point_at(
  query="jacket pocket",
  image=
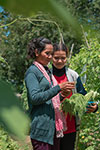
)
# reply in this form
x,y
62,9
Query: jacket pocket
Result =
x,y
40,127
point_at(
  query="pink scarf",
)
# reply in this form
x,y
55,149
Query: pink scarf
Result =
x,y
60,121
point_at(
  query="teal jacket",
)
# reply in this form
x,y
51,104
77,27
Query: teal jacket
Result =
x,y
41,110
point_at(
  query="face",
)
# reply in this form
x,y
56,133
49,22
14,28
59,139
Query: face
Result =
x,y
45,56
59,59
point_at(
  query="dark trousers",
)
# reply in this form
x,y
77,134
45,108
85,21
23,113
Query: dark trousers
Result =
x,y
38,145
68,141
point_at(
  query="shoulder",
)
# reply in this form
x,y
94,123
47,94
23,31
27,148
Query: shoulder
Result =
x,y
32,69
72,72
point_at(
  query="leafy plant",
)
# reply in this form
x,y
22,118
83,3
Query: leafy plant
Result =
x,y
11,112
8,142
78,103
88,56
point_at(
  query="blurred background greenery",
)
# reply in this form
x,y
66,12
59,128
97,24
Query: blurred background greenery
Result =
x,y
78,23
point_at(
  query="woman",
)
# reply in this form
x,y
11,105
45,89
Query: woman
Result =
x,y
47,121
63,74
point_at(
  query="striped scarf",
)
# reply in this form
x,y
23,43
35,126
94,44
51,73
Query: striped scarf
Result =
x,y
60,121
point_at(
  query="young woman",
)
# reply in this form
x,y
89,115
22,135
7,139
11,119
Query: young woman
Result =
x,y
63,74
47,122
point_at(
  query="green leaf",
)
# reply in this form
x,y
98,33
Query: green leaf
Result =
x,y
77,103
12,115
2,59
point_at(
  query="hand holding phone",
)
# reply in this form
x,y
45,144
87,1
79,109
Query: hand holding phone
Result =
x,y
91,107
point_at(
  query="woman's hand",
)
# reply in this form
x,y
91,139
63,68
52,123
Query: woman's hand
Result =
x,y
92,108
66,93
67,86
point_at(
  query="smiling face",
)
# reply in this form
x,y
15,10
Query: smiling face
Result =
x,y
45,56
59,59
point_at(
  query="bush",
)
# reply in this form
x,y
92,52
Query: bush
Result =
x,y
89,137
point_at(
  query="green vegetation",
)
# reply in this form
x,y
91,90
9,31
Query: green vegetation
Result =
x,y
78,22
89,56
8,142
78,103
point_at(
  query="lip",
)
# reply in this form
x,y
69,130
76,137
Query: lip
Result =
x,y
59,64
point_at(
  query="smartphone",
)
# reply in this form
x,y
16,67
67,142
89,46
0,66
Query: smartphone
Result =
x,y
90,103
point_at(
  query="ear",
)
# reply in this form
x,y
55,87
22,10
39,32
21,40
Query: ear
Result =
x,y
36,53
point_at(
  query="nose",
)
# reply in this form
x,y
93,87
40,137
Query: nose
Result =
x,y
50,56
59,60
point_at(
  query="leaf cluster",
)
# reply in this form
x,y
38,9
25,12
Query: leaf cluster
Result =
x,y
77,103
89,57
8,142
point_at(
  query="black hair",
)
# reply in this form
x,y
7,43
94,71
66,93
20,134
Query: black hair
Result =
x,y
59,47
37,43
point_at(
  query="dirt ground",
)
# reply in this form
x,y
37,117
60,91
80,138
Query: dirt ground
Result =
x,y
24,144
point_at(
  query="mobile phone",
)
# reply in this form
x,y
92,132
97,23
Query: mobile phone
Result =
x,y
90,103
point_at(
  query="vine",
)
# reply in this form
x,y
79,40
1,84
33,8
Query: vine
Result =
x,y
36,20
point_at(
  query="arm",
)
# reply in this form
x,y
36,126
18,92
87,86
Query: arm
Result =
x,y
36,95
80,88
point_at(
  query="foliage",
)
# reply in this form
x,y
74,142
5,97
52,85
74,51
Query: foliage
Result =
x,y
3,68
5,141
78,103
11,112
87,12
47,6
89,56
3,20
89,131
13,49
10,143
24,98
